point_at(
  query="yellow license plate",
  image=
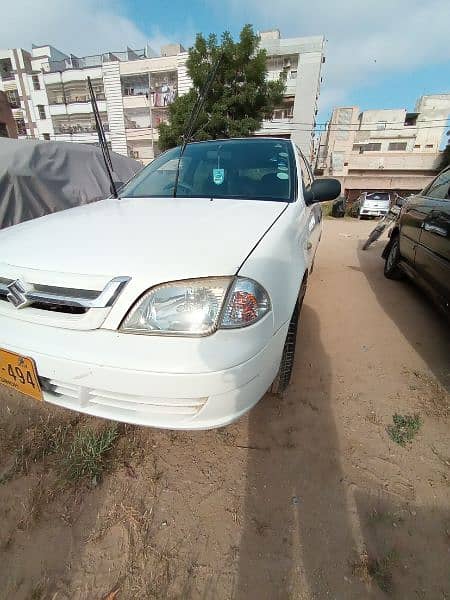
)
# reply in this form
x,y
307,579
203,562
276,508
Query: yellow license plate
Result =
x,y
19,373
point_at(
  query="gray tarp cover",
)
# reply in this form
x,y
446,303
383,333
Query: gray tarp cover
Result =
x,y
40,177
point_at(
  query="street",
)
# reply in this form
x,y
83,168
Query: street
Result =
x,y
306,497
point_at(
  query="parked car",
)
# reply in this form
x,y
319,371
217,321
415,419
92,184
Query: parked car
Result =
x,y
175,305
419,244
373,204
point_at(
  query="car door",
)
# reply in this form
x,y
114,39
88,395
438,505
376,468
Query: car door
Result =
x,y
432,259
413,215
313,212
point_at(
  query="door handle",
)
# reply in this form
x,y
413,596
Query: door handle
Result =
x,y
434,229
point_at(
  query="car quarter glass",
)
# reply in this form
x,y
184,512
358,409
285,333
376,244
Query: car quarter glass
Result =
x,y
251,169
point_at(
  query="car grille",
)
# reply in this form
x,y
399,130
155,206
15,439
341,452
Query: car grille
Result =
x,y
63,299
118,405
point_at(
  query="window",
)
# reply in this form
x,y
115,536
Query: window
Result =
x,y
440,187
46,136
247,169
307,177
372,147
21,127
397,146
429,145
13,98
416,145
41,111
293,75
381,125
36,82
411,119
3,130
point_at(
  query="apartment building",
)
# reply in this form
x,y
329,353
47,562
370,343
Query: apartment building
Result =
x,y
387,149
300,59
47,90
15,67
8,128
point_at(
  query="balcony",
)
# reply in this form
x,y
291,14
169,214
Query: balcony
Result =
x,y
142,134
75,108
77,129
75,99
393,161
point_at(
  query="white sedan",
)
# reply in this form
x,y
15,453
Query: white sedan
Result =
x,y
175,305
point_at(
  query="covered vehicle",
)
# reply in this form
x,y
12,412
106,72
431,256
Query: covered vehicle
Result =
x,y
40,177
175,305
374,204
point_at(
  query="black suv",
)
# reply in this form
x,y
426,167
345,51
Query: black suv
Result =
x,y
419,244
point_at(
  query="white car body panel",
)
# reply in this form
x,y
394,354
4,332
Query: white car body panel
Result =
x,y
87,364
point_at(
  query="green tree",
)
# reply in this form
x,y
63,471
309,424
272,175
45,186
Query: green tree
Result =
x,y
239,98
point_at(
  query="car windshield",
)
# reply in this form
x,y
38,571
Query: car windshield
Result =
x,y
255,169
379,196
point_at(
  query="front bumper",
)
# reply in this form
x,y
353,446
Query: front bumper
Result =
x,y
97,372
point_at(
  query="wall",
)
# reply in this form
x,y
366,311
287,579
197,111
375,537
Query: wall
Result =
x,y
307,89
114,105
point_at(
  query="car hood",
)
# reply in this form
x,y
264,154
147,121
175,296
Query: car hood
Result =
x,y
153,239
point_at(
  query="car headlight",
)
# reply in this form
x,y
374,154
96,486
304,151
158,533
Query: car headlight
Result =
x,y
198,306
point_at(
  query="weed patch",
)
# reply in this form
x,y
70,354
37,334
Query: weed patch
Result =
x,y
404,429
86,457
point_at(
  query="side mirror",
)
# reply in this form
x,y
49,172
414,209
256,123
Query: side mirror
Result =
x,y
322,190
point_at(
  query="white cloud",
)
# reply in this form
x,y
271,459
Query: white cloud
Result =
x,y
365,40
83,26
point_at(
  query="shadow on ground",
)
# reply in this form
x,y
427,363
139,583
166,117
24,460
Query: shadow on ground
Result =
x,y
297,539
407,547
411,311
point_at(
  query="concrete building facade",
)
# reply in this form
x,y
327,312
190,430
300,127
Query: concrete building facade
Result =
x,y
300,59
15,67
135,88
384,150
8,128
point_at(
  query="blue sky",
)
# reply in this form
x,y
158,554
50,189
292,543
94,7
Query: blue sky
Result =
x,y
380,54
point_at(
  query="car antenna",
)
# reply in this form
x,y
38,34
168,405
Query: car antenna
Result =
x,y
191,122
102,139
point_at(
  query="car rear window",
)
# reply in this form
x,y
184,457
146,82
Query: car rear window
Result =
x,y
255,169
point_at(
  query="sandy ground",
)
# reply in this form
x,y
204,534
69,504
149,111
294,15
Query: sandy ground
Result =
x,y
305,498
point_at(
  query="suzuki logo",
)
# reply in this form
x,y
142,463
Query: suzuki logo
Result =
x,y
17,294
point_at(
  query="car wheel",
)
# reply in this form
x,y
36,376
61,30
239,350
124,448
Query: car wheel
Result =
x,y
391,266
284,374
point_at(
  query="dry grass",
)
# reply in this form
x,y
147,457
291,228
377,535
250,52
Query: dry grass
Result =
x,y
376,570
87,454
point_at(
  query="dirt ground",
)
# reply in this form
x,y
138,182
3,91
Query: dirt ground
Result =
x,y
306,498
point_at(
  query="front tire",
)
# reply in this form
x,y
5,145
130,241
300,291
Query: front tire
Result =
x,y
392,268
284,374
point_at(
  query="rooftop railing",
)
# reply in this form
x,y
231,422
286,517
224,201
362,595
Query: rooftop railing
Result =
x,y
87,62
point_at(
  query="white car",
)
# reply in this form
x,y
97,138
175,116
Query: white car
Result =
x,y
374,204
175,305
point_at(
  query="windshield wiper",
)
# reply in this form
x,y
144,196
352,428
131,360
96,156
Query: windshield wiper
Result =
x,y
102,139
189,129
